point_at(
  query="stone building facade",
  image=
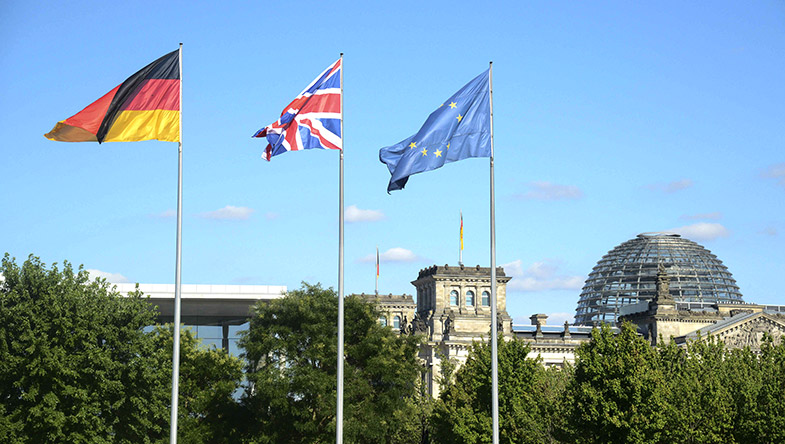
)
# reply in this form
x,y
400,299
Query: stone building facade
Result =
x,y
555,345
738,325
452,311
397,310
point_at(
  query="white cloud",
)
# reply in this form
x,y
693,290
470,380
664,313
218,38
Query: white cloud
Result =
x,y
678,185
671,187
777,172
115,278
703,216
551,191
354,214
228,212
702,231
540,276
769,231
271,215
168,214
558,318
514,268
395,254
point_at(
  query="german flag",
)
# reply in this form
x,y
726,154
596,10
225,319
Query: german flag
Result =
x,y
146,106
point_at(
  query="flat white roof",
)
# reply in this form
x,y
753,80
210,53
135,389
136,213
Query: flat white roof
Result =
x,y
206,304
200,291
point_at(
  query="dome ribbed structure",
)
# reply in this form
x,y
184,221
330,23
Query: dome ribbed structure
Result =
x,y
628,275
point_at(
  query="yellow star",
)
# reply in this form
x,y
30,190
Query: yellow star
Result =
x,y
424,152
448,145
459,117
452,105
412,145
438,153
441,105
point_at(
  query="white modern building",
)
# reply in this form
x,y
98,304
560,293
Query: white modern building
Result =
x,y
215,312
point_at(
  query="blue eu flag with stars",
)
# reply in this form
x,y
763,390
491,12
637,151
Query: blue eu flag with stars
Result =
x,y
459,128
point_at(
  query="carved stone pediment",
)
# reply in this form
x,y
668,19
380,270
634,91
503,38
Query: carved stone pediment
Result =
x,y
750,332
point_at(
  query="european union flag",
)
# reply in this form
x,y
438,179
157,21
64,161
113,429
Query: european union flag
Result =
x,y
459,128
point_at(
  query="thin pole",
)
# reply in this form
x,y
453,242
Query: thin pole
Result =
x,y
339,403
377,270
460,246
176,335
494,322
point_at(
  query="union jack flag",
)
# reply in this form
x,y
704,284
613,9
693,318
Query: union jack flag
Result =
x,y
312,120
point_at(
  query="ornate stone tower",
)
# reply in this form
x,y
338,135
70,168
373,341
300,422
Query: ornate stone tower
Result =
x,y
453,310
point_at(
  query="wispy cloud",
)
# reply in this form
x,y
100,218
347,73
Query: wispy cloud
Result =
x,y
702,231
168,214
551,191
558,318
354,214
115,278
270,215
776,172
671,187
396,254
540,276
555,319
228,212
769,231
703,216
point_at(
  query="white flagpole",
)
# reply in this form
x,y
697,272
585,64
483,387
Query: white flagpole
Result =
x,y
494,322
176,335
339,403
377,270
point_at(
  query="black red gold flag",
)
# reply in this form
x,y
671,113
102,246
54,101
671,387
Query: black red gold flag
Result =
x,y
145,106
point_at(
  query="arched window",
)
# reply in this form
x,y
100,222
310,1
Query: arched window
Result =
x,y
470,298
397,322
454,297
486,299
383,321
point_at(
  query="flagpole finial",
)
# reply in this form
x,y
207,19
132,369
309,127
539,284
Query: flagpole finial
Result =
x,y
181,43
341,54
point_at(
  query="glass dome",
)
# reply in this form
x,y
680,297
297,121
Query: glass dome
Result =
x,y
628,274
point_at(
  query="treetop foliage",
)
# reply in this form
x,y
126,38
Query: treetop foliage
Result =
x,y
291,349
80,363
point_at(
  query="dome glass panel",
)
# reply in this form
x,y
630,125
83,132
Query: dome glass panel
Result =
x,y
628,275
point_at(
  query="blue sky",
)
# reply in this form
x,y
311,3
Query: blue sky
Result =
x,y
611,119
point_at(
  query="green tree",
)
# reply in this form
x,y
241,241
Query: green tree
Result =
x,y
209,379
757,385
78,365
291,348
74,360
720,395
618,392
769,405
701,407
528,396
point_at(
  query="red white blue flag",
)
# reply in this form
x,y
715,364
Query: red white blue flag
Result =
x,y
312,120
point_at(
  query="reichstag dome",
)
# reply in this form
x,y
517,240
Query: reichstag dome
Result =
x,y
628,274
